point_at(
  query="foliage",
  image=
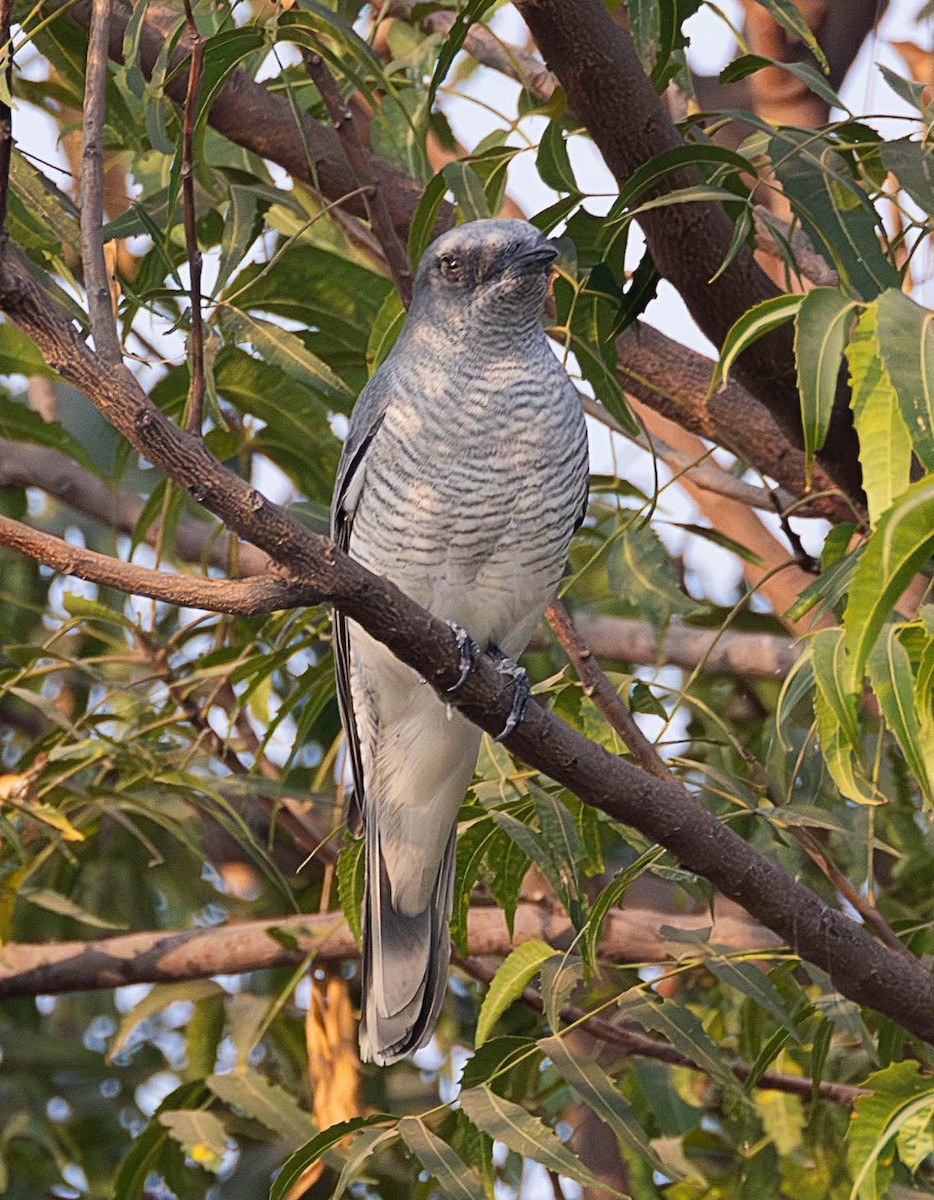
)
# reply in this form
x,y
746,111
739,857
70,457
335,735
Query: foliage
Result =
x,y
154,756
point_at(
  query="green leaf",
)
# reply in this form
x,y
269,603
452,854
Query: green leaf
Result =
x,y
508,983
200,1134
685,1032
901,543
161,996
364,1146
425,217
912,164
350,884
899,1095
893,683
283,350
468,189
786,15
21,424
297,1164
836,213
552,161
63,907
820,333
884,441
759,320
906,342
746,978
262,1101
495,1059
19,355
456,1180
835,707
510,1124
386,328
45,200
599,1093
472,11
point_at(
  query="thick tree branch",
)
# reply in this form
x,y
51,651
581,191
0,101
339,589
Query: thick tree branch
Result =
x,y
258,594
623,639
596,62
23,464
97,285
860,967
674,381
163,956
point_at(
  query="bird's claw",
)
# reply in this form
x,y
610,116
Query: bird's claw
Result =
x,y
522,694
467,651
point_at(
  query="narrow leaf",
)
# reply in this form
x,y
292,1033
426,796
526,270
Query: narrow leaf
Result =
x,y
508,983
820,333
906,341
298,1163
752,325
456,1180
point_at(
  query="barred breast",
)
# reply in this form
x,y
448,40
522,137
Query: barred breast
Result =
x,y
474,486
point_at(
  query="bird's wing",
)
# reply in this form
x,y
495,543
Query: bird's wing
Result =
x,y
367,417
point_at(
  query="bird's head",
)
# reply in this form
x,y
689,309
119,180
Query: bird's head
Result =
x,y
493,270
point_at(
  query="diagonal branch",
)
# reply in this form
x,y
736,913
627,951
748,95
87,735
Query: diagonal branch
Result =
x,y
861,968
100,305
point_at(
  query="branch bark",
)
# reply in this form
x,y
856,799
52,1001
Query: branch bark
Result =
x,y
100,305
258,594
164,956
860,967
596,62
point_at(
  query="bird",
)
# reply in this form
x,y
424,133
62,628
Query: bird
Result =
x,y
462,479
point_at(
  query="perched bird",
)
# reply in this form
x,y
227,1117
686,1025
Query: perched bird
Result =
x,y
462,479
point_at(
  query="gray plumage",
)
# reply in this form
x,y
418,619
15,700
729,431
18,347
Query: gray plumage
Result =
x,y
462,480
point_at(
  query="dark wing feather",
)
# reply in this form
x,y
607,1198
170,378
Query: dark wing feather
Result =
x,y
367,417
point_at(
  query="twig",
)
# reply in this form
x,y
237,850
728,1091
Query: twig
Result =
x,y
807,562
599,689
771,232
100,305
376,207
631,1042
196,387
6,116
257,594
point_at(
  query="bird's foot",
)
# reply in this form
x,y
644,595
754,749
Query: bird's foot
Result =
x,y
468,652
522,694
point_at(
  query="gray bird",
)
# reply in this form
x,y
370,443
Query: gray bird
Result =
x,y
462,479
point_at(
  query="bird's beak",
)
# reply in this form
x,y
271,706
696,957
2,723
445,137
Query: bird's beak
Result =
x,y
539,258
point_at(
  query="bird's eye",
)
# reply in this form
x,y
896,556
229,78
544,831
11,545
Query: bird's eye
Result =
x,y
451,267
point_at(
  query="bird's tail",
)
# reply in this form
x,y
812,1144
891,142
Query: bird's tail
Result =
x,y
405,960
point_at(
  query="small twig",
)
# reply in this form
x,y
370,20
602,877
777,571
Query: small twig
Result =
x,y
6,116
599,689
870,914
633,1043
257,594
807,562
100,305
376,207
196,387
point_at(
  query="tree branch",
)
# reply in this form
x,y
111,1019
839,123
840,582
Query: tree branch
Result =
x,y
596,62
97,285
193,417
674,381
161,956
860,967
258,594
377,209
623,639
601,692
631,1042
